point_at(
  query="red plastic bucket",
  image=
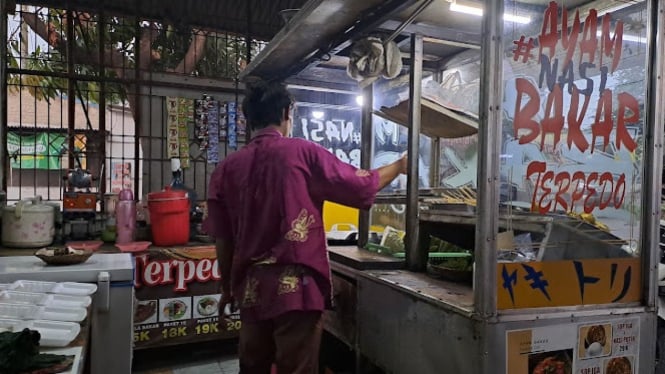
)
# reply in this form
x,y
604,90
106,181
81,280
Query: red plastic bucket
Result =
x,y
169,217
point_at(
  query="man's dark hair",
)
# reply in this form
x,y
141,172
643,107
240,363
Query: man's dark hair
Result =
x,y
264,104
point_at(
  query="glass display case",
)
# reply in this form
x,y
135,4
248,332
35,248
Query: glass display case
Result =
x,y
525,234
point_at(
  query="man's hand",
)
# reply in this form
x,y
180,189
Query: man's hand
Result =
x,y
391,171
227,300
224,249
403,163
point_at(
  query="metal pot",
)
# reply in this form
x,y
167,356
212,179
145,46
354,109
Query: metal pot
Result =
x,y
28,224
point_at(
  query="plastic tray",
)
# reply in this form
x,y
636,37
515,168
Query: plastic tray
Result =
x,y
29,312
64,288
53,333
52,300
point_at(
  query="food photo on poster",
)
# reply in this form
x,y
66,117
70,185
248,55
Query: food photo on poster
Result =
x,y
555,362
596,341
175,309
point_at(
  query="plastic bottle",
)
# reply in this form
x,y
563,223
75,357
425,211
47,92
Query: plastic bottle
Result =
x,y
109,233
126,217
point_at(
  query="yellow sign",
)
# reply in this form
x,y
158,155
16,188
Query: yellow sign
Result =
x,y
338,214
568,283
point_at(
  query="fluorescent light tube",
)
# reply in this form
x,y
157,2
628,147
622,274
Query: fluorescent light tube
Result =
x,y
475,11
516,19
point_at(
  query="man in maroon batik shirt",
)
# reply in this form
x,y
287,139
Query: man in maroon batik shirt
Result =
x,y
264,209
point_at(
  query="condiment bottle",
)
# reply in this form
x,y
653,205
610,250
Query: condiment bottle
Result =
x,y
125,217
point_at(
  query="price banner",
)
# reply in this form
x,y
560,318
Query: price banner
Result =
x,y
177,292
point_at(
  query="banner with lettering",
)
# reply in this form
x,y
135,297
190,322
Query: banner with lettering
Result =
x,y
574,108
177,292
40,151
548,284
336,130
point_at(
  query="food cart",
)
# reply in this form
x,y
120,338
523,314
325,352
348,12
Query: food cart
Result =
x,y
535,253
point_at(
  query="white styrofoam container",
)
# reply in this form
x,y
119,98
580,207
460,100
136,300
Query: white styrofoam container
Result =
x,y
63,288
52,300
10,325
19,311
76,289
33,286
53,333
62,314
32,312
22,298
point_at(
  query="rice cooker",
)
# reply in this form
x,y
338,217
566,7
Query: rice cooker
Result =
x,y
28,224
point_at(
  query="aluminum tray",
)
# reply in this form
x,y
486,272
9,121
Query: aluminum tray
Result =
x,y
63,288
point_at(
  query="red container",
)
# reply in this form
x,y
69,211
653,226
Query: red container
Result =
x,y
169,217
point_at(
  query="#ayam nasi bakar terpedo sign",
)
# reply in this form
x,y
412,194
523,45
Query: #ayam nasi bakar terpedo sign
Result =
x,y
177,292
575,109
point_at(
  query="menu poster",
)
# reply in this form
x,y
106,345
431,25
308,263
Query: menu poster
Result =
x,y
177,292
609,348
595,348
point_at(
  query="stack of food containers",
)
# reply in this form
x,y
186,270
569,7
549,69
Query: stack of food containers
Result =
x,y
53,309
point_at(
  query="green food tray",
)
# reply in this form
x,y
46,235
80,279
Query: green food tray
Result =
x,y
378,248
438,254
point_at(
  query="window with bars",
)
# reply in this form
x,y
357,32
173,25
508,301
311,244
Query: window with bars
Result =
x,y
93,87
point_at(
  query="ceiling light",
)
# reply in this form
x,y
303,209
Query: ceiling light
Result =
x,y
516,19
477,11
474,11
317,114
360,100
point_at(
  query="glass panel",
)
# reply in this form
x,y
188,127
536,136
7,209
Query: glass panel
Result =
x,y
459,162
333,122
571,154
390,142
387,225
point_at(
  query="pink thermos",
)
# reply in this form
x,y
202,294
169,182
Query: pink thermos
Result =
x,y
125,213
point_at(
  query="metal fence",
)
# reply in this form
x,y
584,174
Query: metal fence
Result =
x,y
94,86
